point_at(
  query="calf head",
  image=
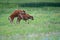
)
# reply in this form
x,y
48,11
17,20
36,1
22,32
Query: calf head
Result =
x,y
31,17
23,12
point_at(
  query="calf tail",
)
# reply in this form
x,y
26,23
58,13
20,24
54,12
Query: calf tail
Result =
x,y
8,18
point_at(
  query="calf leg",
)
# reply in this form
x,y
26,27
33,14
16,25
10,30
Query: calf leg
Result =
x,y
27,21
18,20
11,20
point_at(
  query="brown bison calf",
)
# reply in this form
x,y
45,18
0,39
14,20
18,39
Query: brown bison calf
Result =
x,y
15,14
24,17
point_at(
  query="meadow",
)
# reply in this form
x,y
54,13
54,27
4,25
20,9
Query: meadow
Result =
x,y
45,26
28,1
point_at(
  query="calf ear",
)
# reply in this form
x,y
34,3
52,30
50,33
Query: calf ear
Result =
x,y
23,11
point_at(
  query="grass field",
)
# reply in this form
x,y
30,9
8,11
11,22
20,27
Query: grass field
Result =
x,y
28,1
45,26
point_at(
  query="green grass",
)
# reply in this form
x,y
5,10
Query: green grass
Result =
x,y
46,20
28,1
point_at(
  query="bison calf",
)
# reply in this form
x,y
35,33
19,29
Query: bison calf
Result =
x,y
15,14
24,17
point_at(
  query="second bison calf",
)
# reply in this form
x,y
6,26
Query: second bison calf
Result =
x,y
24,17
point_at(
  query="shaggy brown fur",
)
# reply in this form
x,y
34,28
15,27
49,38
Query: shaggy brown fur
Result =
x,y
25,17
15,14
